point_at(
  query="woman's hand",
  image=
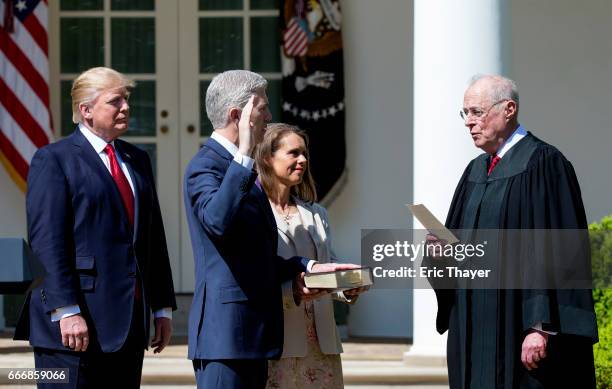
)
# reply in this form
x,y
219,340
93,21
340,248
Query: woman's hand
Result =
x,y
303,293
352,293
329,267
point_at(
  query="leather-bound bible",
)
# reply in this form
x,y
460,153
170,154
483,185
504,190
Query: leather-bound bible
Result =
x,y
340,279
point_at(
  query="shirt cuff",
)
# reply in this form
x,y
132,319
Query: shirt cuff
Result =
x,y
245,161
64,312
310,265
164,312
538,327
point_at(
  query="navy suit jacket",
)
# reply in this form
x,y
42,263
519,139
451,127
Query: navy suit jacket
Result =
x,y
79,230
237,304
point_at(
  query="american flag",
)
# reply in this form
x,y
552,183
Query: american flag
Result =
x,y
296,39
25,119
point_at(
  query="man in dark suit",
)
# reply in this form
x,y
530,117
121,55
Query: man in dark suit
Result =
x,y
236,319
95,224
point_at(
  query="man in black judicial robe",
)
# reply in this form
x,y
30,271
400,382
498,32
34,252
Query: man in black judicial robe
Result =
x,y
515,338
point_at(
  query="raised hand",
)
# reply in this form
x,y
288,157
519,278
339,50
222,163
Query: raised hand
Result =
x,y
245,128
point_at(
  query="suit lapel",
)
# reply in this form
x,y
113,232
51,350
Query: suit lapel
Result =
x,y
264,204
315,230
218,148
256,191
87,153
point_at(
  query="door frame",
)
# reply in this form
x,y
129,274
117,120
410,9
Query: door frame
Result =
x,y
166,86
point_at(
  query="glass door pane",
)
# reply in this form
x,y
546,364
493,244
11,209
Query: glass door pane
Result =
x,y
227,34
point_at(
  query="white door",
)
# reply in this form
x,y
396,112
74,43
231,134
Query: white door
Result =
x,y
172,49
139,39
218,35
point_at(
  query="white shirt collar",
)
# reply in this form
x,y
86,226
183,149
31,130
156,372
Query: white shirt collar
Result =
x,y
223,141
98,143
517,135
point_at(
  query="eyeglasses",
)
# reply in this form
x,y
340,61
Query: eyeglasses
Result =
x,y
478,113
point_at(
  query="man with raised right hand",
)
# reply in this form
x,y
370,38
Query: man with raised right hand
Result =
x,y
236,318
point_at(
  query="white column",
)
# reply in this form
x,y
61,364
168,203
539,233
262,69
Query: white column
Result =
x,y
453,40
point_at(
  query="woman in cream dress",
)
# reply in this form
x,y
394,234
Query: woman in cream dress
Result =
x,y
311,350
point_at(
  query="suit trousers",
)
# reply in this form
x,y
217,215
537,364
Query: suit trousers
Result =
x,y
96,369
231,373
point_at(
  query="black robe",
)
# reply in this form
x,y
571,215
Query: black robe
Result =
x,y
532,187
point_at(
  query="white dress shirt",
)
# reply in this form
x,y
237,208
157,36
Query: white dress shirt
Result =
x,y
517,135
244,160
99,144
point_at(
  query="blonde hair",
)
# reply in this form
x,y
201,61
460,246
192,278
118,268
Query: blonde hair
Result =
x,y
91,83
271,142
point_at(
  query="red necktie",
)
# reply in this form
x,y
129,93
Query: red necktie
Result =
x,y
126,195
494,162
122,183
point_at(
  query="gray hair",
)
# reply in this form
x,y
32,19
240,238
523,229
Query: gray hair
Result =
x,y
499,87
229,89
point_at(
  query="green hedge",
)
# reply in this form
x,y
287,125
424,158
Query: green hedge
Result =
x,y
601,257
